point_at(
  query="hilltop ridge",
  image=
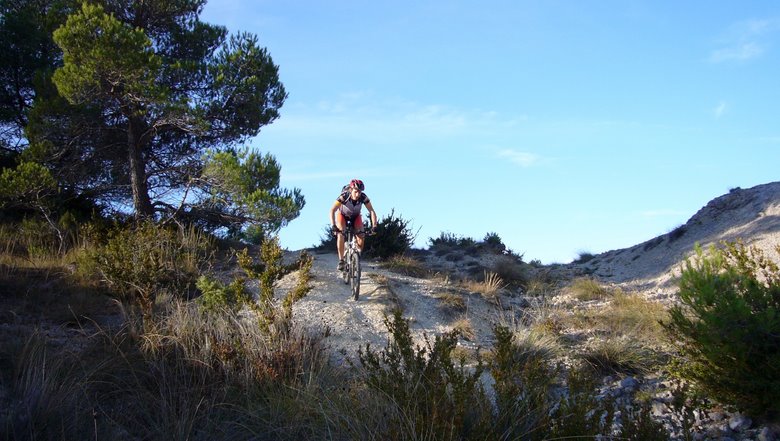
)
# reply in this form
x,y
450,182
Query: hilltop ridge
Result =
x,y
751,215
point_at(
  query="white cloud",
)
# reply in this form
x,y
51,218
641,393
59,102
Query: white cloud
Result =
x,y
523,159
743,52
745,40
365,118
720,109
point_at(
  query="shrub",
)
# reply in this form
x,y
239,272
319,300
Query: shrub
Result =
x,y
429,397
393,236
303,286
493,242
728,327
584,257
448,240
147,260
677,233
523,383
445,240
217,296
511,270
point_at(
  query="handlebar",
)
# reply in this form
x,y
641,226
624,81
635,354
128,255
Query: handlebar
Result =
x,y
368,231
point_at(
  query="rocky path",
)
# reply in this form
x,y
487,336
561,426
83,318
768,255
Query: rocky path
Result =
x,y
351,324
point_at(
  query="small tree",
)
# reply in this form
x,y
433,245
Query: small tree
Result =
x,y
728,327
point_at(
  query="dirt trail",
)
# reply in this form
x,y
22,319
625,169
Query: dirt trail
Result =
x,y
353,324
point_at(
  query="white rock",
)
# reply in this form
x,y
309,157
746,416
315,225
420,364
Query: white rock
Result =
x,y
739,422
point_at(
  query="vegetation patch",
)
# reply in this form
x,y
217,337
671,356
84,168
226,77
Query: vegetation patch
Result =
x,y
586,289
728,327
406,265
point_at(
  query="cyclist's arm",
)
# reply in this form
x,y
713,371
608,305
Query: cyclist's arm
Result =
x,y
372,213
333,210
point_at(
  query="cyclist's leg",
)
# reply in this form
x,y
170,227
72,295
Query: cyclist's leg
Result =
x,y
359,231
341,223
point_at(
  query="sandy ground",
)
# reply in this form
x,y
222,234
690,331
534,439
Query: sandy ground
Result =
x,y
354,324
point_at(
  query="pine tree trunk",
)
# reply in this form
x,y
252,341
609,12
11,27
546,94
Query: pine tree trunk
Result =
x,y
142,205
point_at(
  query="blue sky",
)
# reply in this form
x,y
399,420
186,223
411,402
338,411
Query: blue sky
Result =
x,y
562,126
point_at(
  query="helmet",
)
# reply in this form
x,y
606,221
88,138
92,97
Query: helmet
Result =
x,y
357,183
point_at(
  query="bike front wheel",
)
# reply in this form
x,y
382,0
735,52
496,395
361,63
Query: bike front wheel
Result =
x,y
354,280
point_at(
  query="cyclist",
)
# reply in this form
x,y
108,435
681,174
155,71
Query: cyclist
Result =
x,y
348,206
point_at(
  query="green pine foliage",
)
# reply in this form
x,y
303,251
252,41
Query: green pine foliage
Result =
x,y
728,327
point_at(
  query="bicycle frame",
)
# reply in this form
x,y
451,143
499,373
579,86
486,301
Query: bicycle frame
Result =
x,y
352,270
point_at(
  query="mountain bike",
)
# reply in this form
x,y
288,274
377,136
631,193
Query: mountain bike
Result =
x,y
351,272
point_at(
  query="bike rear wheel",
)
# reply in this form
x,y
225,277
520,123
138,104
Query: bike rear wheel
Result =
x,y
354,280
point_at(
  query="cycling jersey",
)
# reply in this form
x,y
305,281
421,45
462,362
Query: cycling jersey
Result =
x,y
349,208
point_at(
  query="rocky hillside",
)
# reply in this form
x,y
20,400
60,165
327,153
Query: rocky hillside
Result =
x,y
751,215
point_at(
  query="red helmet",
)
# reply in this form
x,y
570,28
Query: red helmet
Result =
x,y
357,183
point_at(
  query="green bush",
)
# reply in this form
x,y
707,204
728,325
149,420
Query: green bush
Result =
x,y
445,240
216,296
448,240
393,236
524,378
148,260
511,270
728,327
428,395
494,243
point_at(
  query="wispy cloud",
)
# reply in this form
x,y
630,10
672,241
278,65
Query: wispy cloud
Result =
x,y
769,139
720,109
364,117
745,40
523,159
740,52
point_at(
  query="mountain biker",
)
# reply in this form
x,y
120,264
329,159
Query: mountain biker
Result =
x,y
348,206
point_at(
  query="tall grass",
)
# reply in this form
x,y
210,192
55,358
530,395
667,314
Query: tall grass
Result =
x,y
46,393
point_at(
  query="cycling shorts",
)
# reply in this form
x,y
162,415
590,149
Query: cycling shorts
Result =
x,y
357,221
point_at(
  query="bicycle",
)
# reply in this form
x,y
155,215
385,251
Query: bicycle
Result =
x,y
351,272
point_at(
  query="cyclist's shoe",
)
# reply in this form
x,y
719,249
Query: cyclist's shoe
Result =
x,y
341,265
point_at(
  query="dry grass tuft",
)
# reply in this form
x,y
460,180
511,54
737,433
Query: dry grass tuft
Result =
x,y
621,355
586,289
464,327
452,301
407,266
539,287
489,287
